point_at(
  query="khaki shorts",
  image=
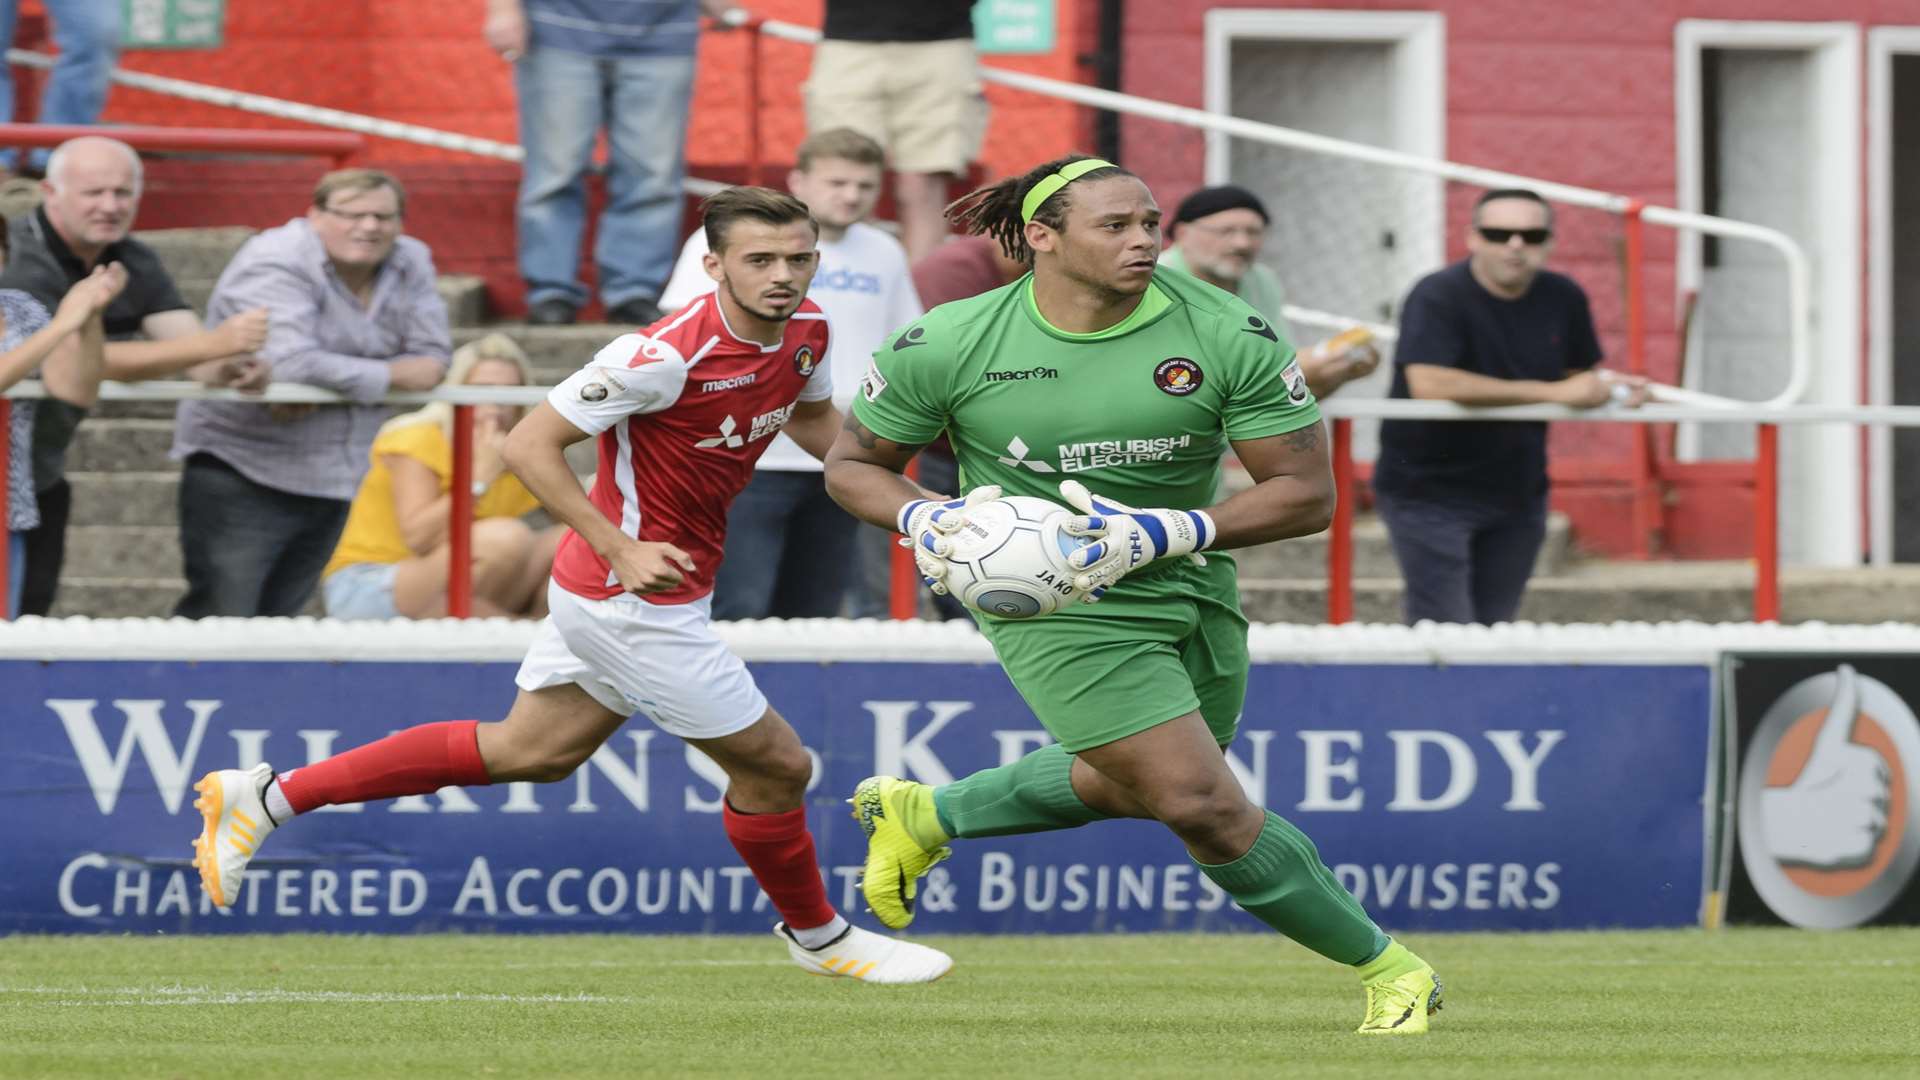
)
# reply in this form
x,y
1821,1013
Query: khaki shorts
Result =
x,y
922,100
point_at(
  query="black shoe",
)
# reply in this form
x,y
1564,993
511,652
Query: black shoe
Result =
x,y
550,313
636,312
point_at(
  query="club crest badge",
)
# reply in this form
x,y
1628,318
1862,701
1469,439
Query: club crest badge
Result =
x,y
1178,376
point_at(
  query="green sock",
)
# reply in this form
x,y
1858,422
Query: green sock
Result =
x,y
1282,882
1394,961
1034,794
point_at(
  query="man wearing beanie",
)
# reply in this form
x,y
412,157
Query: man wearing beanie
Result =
x,y
1217,232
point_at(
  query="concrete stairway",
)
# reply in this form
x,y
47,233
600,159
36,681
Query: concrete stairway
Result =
x,y
123,556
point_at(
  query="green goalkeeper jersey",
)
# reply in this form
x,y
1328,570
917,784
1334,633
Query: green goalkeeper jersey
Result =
x,y
1140,412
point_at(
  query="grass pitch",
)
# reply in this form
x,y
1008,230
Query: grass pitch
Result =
x,y
1741,1003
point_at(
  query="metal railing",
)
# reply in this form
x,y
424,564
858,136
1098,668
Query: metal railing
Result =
x,y
1341,414
1633,213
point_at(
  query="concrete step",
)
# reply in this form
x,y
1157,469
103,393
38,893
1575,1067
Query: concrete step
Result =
x,y
1602,591
126,498
118,598
554,352
1373,552
195,254
132,598
121,445
122,552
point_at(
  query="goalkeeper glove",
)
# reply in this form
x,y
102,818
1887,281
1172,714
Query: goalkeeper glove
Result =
x,y
1126,537
928,526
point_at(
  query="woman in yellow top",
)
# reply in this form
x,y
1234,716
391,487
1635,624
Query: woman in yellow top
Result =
x,y
393,554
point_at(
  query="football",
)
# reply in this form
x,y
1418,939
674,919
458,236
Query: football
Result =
x,y
1010,559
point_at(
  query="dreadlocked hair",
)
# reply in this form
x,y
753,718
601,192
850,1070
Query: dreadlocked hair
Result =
x,y
994,211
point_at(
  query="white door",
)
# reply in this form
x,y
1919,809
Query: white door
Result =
x,y
1347,238
1768,119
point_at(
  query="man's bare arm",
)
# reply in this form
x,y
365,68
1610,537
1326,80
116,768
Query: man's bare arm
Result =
x,y
178,343
1292,495
814,425
864,474
536,453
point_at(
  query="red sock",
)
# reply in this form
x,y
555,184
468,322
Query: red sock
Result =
x,y
779,850
416,761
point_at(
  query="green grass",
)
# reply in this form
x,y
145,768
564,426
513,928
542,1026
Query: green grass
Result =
x,y
1741,1003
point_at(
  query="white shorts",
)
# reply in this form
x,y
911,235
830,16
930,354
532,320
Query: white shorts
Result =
x,y
663,660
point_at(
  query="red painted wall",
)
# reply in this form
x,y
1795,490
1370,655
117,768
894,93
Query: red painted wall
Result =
x,y
423,62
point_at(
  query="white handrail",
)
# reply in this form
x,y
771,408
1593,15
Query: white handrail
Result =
x,y
1339,407
1799,280
282,109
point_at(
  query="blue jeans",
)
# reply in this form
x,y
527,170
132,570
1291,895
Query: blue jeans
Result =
x,y
16,571
565,99
87,33
790,550
1462,563
250,549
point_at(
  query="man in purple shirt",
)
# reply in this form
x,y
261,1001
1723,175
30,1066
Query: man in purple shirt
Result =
x,y
265,489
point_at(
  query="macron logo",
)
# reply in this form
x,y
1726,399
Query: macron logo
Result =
x,y
734,383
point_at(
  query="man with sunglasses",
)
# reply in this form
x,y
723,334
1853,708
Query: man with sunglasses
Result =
x,y
1465,502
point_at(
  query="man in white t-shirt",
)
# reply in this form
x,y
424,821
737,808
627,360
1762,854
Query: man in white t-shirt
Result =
x,y
790,549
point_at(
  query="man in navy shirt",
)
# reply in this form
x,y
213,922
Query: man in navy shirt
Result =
x,y
1465,502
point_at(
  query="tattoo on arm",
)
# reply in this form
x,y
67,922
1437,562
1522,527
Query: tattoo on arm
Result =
x,y
865,436
1305,440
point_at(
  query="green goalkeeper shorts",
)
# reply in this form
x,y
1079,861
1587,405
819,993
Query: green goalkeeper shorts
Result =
x,y
1163,642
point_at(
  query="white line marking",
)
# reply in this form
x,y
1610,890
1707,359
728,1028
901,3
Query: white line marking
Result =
x,y
201,995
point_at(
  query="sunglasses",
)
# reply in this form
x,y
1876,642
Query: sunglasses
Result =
x,y
1529,237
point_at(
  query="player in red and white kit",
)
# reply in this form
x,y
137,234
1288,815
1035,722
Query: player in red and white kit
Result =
x,y
681,412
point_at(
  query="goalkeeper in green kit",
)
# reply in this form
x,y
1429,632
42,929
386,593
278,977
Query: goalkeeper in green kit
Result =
x,y
1116,384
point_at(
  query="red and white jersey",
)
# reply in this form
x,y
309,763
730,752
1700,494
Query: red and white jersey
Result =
x,y
683,410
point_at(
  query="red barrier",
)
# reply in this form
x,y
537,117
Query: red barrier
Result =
x,y
903,593
1766,525
1645,485
338,145
6,507
460,517
1340,534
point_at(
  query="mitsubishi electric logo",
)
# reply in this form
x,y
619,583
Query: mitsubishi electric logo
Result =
x,y
763,425
726,437
1098,453
1019,449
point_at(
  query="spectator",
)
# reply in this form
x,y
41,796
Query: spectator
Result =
x,y
580,66
91,196
1465,502
790,548
1217,233
86,34
68,350
393,556
264,491
908,76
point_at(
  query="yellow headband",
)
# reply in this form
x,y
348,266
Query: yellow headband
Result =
x,y
1046,188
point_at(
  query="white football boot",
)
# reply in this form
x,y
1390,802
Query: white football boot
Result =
x,y
233,822
869,957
